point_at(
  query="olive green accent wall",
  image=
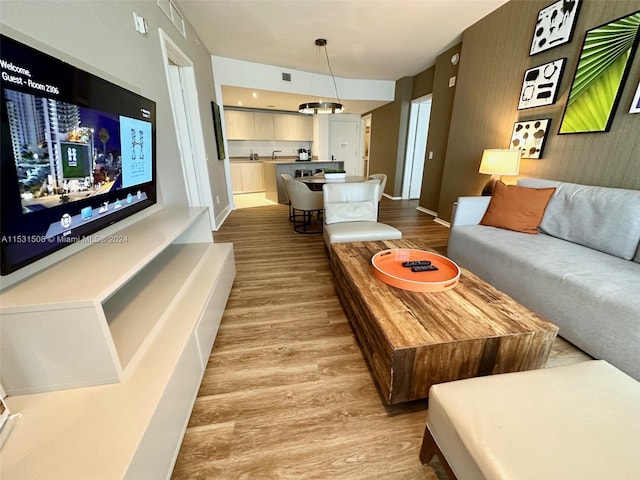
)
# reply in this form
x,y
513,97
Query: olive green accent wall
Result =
x,y
494,57
441,109
389,125
423,83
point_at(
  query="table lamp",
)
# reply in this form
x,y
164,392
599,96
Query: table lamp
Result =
x,y
496,162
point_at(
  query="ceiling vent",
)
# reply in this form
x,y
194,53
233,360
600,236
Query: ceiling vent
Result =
x,y
286,77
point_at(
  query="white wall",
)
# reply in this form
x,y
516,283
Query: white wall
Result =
x,y
239,73
99,36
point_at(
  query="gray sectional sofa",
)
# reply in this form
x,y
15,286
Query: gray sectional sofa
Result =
x,y
582,272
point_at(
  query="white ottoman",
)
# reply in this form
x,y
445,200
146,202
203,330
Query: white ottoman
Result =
x,y
577,422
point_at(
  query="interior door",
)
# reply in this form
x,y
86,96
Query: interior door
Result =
x,y
344,139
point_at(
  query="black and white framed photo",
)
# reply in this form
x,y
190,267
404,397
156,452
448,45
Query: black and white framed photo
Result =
x,y
540,84
555,25
529,137
635,104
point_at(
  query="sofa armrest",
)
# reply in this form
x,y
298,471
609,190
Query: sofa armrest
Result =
x,y
470,210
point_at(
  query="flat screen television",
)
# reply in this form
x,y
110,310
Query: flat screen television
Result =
x,y
78,154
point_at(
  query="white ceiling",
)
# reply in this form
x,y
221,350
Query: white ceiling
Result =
x,y
366,39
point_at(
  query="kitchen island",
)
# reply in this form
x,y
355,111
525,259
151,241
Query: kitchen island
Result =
x,y
273,184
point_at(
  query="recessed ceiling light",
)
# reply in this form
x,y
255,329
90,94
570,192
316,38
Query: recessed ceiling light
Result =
x,y
239,103
254,94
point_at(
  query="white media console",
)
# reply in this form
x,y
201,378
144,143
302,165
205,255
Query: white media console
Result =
x,y
103,353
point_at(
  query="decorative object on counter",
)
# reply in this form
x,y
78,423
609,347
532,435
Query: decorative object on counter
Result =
x,y
320,107
334,174
217,125
604,64
540,84
496,162
529,137
303,155
555,25
635,104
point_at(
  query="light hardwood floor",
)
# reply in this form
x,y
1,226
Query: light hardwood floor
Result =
x,y
287,393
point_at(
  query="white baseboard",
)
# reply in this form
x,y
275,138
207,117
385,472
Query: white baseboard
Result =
x,y
442,222
427,211
435,215
390,197
222,217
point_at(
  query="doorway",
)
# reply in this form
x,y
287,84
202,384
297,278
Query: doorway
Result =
x,y
365,126
419,116
186,118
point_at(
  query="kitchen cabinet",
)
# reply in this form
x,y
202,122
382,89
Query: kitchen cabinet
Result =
x,y
239,125
263,126
236,177
293,127
248,125
247,177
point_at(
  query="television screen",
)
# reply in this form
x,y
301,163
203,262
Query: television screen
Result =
x,y
78,154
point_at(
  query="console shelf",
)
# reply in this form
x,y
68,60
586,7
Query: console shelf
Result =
x,y
133,323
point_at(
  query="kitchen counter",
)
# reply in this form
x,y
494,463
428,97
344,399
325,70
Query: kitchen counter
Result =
x,y
287,161
273,169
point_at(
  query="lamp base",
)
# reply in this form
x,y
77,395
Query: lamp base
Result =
x,y
487,191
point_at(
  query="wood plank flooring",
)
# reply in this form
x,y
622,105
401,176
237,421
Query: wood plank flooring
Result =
x,y
287,393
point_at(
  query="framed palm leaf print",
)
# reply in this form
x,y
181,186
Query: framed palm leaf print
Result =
x,y
604,63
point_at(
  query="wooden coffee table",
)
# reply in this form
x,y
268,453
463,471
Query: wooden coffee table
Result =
x,y
415,339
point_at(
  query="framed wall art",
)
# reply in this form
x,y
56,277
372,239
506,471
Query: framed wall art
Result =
x,y
540,84
635,103
217,125
555,25
529,137
604,63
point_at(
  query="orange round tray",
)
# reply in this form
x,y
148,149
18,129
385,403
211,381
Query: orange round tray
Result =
x,y
387,266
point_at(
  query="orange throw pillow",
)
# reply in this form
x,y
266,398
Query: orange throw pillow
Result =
x,y
517,208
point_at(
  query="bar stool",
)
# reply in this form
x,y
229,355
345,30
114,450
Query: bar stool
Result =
x,y
304,172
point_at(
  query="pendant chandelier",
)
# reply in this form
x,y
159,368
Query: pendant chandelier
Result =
x,y
323,107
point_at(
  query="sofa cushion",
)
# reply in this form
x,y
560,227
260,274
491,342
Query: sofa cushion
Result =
x,y
602,218
590,295
517,208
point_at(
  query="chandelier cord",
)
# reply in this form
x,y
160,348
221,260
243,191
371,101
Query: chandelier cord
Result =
x,y
331,72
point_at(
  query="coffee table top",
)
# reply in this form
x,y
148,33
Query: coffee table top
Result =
x,y
472,309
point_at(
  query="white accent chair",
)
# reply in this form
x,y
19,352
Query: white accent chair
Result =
x,y
304,203
382,180
351,214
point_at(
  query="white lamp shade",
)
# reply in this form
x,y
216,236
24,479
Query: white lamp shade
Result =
x,y
500,162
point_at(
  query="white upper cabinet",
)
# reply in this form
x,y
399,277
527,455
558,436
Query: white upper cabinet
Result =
x,y
294,127
239,125
249,125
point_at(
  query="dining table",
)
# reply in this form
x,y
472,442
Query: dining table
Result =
x,y
316,182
